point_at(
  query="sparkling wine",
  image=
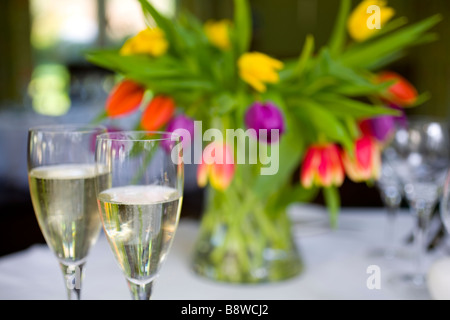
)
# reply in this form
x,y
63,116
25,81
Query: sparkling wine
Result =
x,y
64,200
140,222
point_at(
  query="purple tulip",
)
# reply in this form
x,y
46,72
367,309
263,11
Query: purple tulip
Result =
x,y
179,122
265,116
382,127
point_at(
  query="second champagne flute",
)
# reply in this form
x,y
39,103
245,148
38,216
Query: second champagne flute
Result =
x,y
141,209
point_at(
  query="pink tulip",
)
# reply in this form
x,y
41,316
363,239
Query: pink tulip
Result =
x,y
365,162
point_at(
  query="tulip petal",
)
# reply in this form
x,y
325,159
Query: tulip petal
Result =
x,y
202,175
357,22
402,92
125,98
257,68
322,166
365,163
307,173
158,112
267,117
221,176
218,165
150,41
218,33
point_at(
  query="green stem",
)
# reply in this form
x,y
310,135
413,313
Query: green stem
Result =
x,y
148,158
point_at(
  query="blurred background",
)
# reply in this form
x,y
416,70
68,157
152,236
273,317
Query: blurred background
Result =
x,y
44,77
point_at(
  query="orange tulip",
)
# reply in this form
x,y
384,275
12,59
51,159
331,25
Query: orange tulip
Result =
x,y
125,98
158,112
217,165
402,92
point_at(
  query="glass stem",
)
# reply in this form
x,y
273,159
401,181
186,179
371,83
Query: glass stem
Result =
x,y
73,275
392,212
423,216
140,291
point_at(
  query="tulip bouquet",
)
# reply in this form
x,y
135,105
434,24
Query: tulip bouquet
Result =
x,y
324,114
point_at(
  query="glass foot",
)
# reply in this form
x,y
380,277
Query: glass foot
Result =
x,y
412,286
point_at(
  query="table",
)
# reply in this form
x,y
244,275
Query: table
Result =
x,y
336,265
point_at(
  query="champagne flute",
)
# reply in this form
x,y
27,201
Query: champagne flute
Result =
x,y
61,173
141,208
420,156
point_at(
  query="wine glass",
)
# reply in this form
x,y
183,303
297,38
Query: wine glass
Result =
x,y
141,208
61,173
420,155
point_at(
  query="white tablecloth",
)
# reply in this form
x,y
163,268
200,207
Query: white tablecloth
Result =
x,y
335,261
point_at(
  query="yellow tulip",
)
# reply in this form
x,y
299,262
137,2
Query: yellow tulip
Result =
x,y
218,33
358,22
257,69
150,41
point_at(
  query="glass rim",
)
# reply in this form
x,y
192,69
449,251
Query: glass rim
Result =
x,y
67,128
107,136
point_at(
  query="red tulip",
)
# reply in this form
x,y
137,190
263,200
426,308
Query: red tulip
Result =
x,y
401,93
217,165
365,162
322,167
158,112
125,98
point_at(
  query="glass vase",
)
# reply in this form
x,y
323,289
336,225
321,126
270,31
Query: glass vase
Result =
x,y
241,241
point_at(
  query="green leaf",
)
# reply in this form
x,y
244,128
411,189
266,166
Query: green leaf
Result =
x,y
242,26
163,74
368,53
333,203
421,99
360,90
169,85
389,27
100,118
142,65
387,60
297,193
290,153
344,107
167,25
337,40
307,52
324,121
280,200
